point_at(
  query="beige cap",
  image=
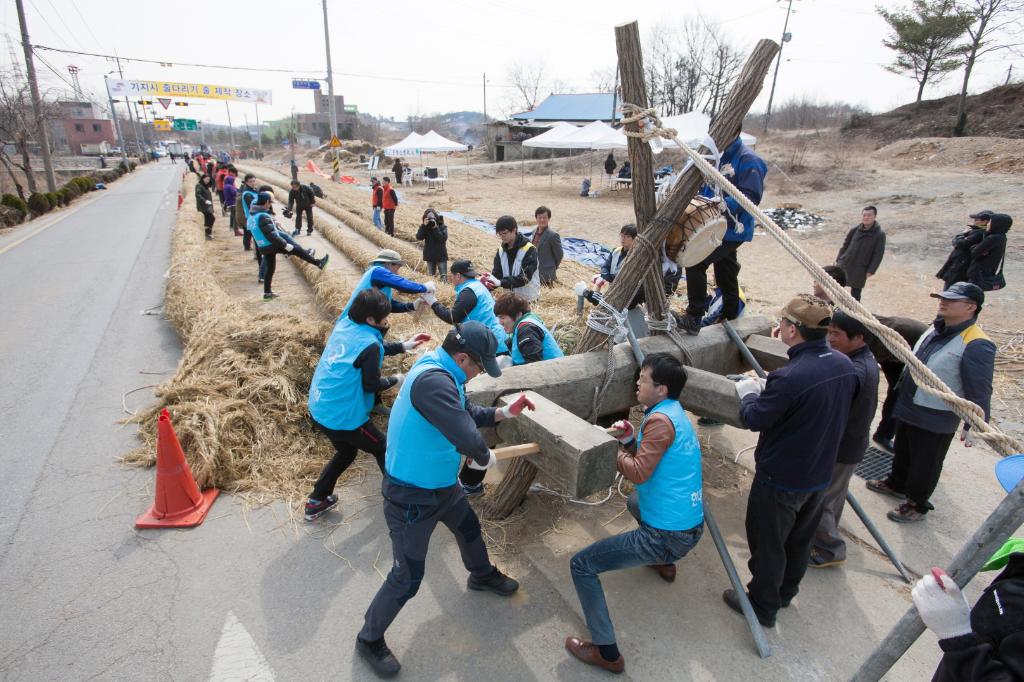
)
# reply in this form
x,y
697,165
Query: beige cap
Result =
x,y
808,311
388,256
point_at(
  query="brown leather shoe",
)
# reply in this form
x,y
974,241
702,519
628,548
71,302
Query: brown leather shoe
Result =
x,y
666,571
591,655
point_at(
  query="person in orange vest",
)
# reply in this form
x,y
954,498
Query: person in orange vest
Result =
x,y
389,201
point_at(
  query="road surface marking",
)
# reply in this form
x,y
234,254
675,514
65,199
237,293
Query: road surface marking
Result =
x,y
237,657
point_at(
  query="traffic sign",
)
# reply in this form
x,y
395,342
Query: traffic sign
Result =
x,y
165,101
335,142
185,124
298,84
161,125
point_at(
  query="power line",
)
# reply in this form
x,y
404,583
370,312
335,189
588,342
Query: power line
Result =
x,y
86,24
46,21
64,23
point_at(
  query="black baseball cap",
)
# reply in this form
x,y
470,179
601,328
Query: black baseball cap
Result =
x,y
962,291
986,214
464,268
264,199
479,341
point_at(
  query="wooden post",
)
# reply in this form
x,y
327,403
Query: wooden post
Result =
x,y
724,130
634,91
990,536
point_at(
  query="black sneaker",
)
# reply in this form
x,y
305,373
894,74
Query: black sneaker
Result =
x,y
473,490
732,600
322,263
317,508
688,323
496,582
270,296
296,233
379,656
309,233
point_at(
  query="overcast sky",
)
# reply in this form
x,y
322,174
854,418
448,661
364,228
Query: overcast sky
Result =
x,y
406,57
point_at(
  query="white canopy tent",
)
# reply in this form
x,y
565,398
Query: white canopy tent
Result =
x,y
550,138
434,142
410,146
415,144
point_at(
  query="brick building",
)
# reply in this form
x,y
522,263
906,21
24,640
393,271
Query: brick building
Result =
x,y
80,123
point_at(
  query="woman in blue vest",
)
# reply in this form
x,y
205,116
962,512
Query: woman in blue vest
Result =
x,y
529,340
383,275
345,384
472,302
432,427
271,241
668,505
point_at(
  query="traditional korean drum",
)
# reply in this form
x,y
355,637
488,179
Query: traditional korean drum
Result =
x,y
697,232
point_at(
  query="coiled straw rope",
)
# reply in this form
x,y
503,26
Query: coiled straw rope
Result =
x,y
926,379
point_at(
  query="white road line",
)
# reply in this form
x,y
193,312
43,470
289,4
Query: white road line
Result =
x,y
237,658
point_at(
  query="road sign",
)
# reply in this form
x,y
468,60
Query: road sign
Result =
x,y
165,101
335,142
161,125
298,84
185,124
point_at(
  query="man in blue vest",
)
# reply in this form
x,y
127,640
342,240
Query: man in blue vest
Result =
x,y
612,265
432,427
472,301
748,171
270,241
963,357
528,339
664,465
383,274
345,384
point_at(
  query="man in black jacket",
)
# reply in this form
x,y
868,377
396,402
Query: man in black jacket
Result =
x,y
301,197
434,235
986,268
801,414
862,251
846,335
955,268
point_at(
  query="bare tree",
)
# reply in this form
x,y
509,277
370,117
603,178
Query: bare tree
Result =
x,y
603,80
526,79
18,124
721,68
995,24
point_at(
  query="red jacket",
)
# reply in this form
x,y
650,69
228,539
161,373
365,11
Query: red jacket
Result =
x,y
220,178
390,198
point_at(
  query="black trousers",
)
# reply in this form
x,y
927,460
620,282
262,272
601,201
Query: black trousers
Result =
x,y
208,219
309,219
918,463
367,438
412,514
727,277
471,476
268,262
389,221
780,531
856,292
887,425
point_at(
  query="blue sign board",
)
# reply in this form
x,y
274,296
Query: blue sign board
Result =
x,y
305,85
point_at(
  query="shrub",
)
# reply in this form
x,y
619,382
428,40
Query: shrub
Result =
x,y
15,202
84,184
54,199
72,189
38,204
65,195
132,165
108,177
122,168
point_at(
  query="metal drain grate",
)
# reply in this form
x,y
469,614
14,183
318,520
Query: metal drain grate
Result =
x,y
876,464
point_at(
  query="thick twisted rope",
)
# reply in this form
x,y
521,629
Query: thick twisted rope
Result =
x,y
925,378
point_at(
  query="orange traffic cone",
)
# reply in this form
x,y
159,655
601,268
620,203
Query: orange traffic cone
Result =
x,y
178,503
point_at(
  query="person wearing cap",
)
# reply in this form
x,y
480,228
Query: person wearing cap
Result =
x,y
515,263
664,464
955,268
345,387
472,302
434,235
432,427
529,340
963,357
383,274
986,267
800,412
862,251
848,336
984,643
271,240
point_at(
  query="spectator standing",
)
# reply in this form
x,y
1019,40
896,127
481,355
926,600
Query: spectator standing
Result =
x,y
986,268
376,201
301,197
204,203
955,268
610,165
389,202
294,167
397,169
219,183
434,235
549,247
230,199
862,251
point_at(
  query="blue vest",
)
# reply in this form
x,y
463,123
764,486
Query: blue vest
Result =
x,y
336,396
551,348
483,311
672,499
253,225
365,282
418,454
247,204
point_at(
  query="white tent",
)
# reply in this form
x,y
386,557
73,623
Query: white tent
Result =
x,y
549,139
434,142
410,146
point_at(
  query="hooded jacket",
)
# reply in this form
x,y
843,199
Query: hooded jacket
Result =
x,y
230,191
987,256
955,267
748,171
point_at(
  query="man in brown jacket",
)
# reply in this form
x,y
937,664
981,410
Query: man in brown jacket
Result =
x,y
862,251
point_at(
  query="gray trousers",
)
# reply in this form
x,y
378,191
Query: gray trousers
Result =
x,y
827,540
412,514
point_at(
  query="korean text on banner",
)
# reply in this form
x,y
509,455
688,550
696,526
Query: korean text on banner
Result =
x,y
131,88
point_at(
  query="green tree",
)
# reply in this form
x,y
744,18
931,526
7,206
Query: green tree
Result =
x,y
926,39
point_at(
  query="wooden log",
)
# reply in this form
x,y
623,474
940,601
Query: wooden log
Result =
x,y
634,90
723,131
771,353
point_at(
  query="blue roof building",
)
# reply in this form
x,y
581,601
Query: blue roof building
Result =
x,y
573,108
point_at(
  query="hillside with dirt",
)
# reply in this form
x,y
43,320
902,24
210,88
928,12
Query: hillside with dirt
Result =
x,y
996,113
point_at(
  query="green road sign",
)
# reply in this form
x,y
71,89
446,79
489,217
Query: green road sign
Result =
x,y
185,124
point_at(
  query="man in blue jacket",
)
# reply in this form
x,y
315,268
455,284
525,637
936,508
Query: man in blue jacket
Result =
x,y
270,241
473,301
668,505
345,384
432,427
383,274
748,171
801,414
963,356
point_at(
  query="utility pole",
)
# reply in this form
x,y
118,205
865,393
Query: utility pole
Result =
x,y
128,106
778,60
117,124
231,130
330,92
615,94
485,98
259,132
37,105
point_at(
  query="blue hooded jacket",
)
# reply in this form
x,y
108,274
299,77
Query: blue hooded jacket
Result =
x,y
748,176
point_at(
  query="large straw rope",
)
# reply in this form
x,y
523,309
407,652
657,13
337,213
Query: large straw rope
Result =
x,y
925,378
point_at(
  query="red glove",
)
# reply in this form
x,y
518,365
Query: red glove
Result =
x,y
514,409
626,427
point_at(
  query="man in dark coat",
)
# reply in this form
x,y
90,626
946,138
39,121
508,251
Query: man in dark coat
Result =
x,y
862,251
301,197
434,235
549,247
986,266
955,268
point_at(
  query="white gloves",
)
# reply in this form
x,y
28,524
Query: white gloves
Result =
x,y
749,385
431,286
490,281
289,247
579,288
967,437
942,608
624,425
429,298
491,461
504,361
399,380
209,203
598,281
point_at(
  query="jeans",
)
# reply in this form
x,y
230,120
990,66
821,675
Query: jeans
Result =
x,y
727,273
780,529
376,218
346,444
918,463
827,540
645,546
